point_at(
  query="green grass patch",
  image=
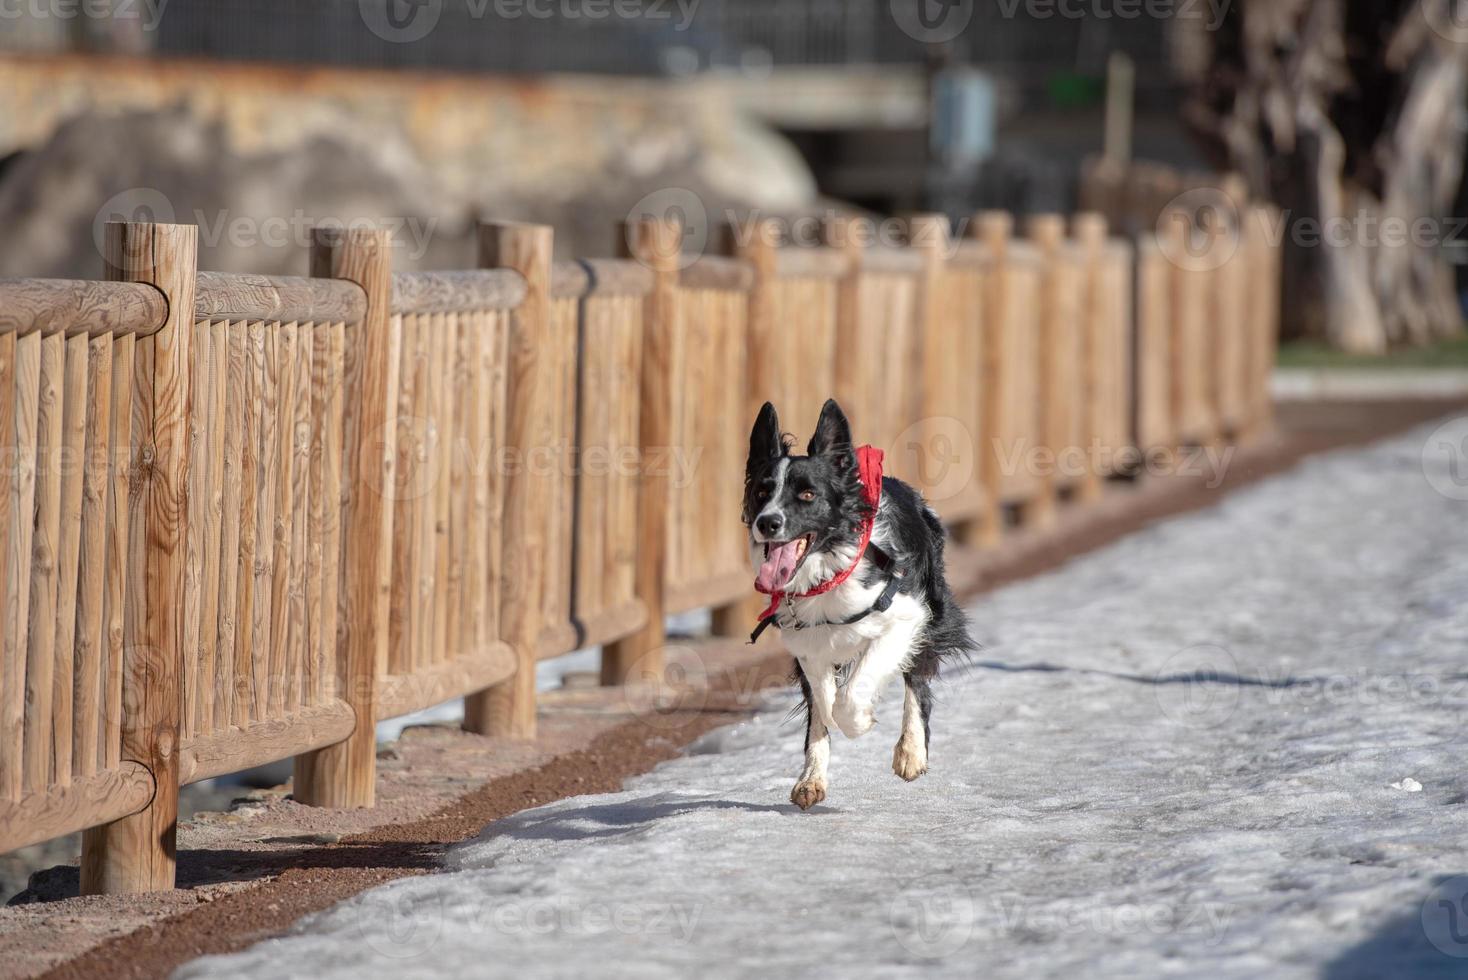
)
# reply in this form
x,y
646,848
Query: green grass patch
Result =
x,y
1313,354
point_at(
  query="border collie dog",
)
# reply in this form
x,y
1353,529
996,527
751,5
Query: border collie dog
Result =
x,y
853,563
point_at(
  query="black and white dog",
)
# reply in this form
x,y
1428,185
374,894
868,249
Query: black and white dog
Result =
x,y
854,565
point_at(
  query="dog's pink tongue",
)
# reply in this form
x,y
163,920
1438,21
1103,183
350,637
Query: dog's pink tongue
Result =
x,y
778,567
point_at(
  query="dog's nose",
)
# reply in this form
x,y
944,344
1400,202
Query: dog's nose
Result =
x,y
770,525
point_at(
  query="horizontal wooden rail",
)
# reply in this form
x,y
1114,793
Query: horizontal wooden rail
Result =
x,y
559,639
452,292
263,742
101,798
403,694
811,263
76,307
600,277
892,261
278,299
718,272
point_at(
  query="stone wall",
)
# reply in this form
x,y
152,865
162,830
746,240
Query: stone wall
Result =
x,y
230,146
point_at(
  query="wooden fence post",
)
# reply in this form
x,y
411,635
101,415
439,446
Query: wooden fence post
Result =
x,y
138,853
847,234
1263,315
344,775
760,247
1089,230
656,243
508,708
993,228
1057,335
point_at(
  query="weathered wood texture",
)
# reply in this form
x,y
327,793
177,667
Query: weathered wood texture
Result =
x,y
250,521
446,493
1155,424
535,372
455,292
65,306
277,299
344,773
137,852
261,601
65,435
708,441
943,446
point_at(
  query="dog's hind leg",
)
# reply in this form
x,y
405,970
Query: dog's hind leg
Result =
x,y
910,757
811,787
885,655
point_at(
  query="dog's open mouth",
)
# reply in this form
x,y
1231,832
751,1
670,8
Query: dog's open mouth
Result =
x,y
781,560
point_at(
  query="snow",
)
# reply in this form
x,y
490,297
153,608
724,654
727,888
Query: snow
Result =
x,y
1230,745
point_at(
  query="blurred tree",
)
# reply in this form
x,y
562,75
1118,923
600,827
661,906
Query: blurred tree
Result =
x,y
1349,115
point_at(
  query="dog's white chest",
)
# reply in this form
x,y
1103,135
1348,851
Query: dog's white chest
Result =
x,y
815,632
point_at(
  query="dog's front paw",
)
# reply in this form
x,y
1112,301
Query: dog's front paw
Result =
x,y
808,792
909,760
854,718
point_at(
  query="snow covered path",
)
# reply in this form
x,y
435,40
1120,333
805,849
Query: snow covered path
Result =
x,y
1196,752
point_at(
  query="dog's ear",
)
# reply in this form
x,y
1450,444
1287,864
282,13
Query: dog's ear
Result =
x,y
833,433
765,441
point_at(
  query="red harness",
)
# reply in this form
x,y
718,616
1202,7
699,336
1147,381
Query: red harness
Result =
x,y
869,467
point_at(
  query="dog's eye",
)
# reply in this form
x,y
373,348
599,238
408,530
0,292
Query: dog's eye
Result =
x,y
807,495
762,495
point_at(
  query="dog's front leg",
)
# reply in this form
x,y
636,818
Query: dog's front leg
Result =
x,y
855,710
818,684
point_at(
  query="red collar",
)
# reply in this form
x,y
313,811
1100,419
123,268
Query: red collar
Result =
x,y
869,467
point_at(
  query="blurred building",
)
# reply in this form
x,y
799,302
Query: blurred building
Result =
x,y
850,82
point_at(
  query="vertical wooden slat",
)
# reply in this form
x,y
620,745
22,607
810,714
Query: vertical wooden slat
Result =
x,y
247,696
1154,347
12,648
237,504
90,701
466,575
770,342
498,371
629,445
723,459
1120,301
655,244
210,402
1056,322
41,648
610,311
421,493
119,530
508,708
191,681
445,328
319,503
1263,316
408,424
301,489
71,464
344,774
283,523
137,853
267,479
333,474
464,339
845,233
1089,230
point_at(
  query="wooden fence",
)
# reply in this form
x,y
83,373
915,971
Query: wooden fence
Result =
x,y
244,519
